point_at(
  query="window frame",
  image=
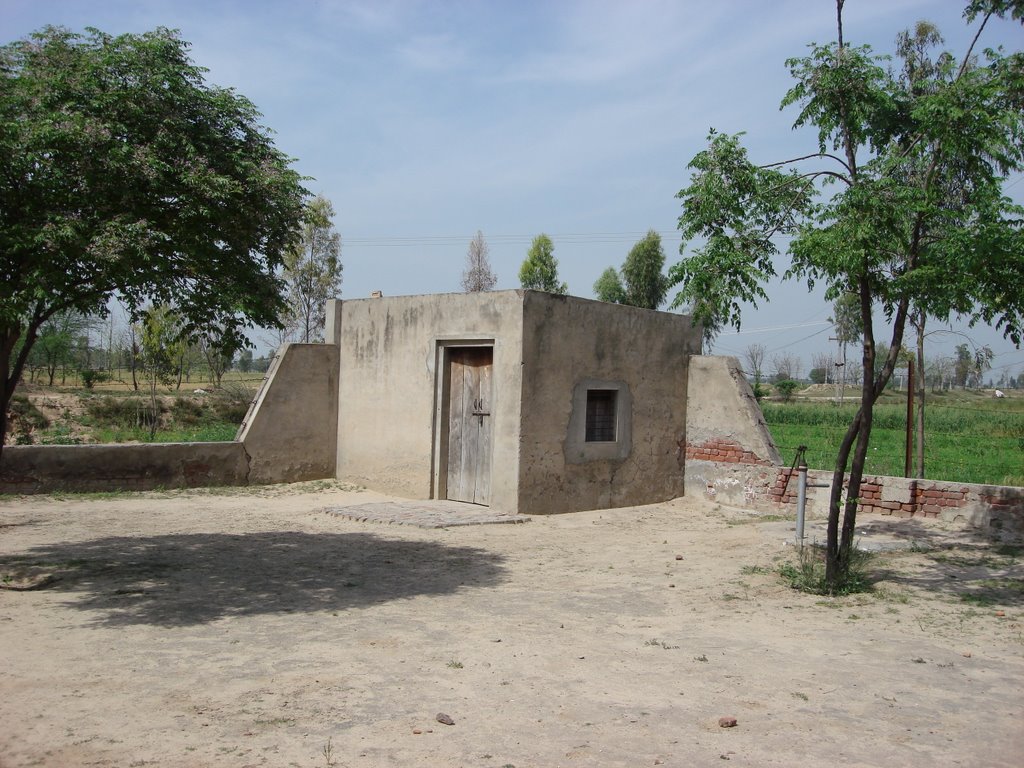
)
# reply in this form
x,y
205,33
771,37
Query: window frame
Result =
x,y
579,450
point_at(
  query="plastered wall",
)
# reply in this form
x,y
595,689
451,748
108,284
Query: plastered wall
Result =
x,y
391,362
730,454
569,342
290,433
46,468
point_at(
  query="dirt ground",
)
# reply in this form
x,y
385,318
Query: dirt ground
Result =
x,y
251,628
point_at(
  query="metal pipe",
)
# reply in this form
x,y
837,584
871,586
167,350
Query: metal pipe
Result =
x,y
801,500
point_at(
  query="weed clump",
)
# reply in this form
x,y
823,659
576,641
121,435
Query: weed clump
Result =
x,y
808,573
25,419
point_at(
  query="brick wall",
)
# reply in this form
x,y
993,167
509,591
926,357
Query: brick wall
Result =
x,y
723,450
982,505
727,471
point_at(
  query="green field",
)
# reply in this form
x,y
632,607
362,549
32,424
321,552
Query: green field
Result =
x,y
969,436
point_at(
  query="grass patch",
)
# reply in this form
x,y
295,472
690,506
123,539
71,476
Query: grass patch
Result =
x,y
969,437
891,596
807,574
989,592
120,418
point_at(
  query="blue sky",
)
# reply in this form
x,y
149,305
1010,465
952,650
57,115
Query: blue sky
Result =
x,y
426,121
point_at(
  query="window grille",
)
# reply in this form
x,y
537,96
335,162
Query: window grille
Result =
x,y
601,415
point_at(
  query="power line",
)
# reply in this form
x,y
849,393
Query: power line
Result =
x,y
408,241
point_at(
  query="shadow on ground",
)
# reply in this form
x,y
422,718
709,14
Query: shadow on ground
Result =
x,y
187,579
975,566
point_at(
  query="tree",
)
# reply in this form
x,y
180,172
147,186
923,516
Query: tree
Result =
x,y
786,388
125,172
245,361
218,357
161,346
540,268
642,276
786,365
640,282
890,229
962,365
940,373
55,342
825,363
754,354
982,362
609,287
846,325
312,270
478,275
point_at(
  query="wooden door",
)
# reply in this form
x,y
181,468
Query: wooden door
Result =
x,y
469,424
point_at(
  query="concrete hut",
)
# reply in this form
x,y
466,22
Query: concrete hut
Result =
x,y
521,400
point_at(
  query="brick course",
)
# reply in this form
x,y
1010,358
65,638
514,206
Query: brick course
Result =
x,y
723,450
905,498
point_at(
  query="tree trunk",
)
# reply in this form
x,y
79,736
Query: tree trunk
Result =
x,y
10,376
919,407
154,409
6,384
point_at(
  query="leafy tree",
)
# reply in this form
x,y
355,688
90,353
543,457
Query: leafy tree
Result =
x,y
962,365
890,229
609,287
245,361
55,343
312,270
125,172
824,362
478,275
786,388
540,268
982,362
640,282
645,284
161,346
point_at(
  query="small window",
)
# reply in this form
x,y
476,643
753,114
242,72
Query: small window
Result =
x,y
601,415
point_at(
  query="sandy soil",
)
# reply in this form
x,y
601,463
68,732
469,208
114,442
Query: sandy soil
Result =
x,y
254,629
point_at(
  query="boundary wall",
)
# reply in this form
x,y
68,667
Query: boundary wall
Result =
x,y
142,467
292,439
730,457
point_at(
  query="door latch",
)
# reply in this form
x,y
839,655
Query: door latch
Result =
x,y
478,410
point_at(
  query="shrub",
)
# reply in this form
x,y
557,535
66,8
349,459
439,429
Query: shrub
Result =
x,y
187,412
808,573
25,418
231,404
92,377
786,388
126,412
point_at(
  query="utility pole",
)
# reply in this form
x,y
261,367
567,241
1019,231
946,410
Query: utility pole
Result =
x,y
909,454
840,370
